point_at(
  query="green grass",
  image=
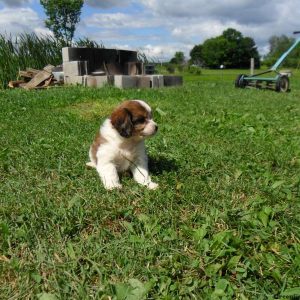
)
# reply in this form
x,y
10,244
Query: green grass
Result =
x,y
224,224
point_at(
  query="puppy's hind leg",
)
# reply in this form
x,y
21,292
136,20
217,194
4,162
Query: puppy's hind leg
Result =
x,y
91,164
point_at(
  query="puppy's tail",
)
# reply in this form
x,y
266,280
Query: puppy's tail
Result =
x,y
91,164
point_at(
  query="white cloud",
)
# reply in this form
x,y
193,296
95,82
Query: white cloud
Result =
x,y
15,3
14,21
199,32
107,3
243,10
163,26
43,31
161,52
193,21
164,52
118,20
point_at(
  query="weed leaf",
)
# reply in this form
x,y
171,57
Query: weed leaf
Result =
x,y
291,292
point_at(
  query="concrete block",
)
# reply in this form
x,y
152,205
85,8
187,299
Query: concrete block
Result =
x,y
78,53
98,81
133,68
75,68
75,80
113,68
65,54
157,81
127,56
143,81
170,80
125,81
58,76
149,69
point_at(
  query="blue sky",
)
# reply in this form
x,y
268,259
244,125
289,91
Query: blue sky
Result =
x,y
160,28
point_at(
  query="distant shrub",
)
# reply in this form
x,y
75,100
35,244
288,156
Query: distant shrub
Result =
x,y
180,68
289,62
194,70
170,68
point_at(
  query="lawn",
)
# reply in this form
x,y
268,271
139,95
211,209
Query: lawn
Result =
x,y
224,224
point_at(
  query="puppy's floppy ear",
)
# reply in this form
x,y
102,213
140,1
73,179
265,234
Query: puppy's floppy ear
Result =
x,y
121,121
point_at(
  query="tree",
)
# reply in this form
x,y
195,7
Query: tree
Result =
x,y
249,50
196,55
214,52
63,15
230,49
232,35
178,58
278,45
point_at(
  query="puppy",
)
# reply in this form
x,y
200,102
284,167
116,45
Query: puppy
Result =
x,y
119,145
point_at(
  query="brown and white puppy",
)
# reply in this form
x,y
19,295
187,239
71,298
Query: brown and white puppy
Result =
x,y
119,145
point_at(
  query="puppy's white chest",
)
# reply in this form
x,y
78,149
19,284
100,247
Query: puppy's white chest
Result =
x,y
124,159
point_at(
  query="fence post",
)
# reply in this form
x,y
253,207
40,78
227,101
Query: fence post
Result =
x,y
251,66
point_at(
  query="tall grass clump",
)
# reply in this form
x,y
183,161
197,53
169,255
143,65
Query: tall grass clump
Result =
x,y
86,42
26,50
31,50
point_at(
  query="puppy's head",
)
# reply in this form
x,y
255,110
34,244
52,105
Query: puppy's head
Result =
x,y
133,118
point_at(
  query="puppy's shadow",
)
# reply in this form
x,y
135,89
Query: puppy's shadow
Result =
x,y
161,164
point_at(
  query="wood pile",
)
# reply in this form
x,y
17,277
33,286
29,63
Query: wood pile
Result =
x,y
35,79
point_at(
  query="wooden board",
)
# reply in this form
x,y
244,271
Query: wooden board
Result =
x,y
15,83
31,70
29,73
49,68
26,74
40,77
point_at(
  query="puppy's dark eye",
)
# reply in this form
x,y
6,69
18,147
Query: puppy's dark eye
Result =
x,y
139,120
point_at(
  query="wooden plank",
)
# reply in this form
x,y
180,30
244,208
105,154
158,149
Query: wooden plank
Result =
x,y
15,83
49,68
37,79
48,82
21,85
29,73
31,70
26,74
40,77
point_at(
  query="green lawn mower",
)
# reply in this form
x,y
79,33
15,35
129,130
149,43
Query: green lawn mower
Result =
x,y
280,82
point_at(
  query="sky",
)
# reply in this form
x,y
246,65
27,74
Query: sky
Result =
x,y
159,28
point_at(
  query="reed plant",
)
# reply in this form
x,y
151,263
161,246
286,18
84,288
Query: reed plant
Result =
x,y
31,50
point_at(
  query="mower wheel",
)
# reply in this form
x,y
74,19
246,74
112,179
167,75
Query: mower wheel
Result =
x,y
282,84
240,82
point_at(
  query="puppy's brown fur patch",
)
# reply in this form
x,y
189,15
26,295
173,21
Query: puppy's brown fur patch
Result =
x,y
129,118
99,140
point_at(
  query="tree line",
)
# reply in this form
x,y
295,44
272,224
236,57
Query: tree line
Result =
x,y
232,50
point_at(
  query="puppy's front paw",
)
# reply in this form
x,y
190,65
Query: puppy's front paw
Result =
x,y
113,186
152,186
